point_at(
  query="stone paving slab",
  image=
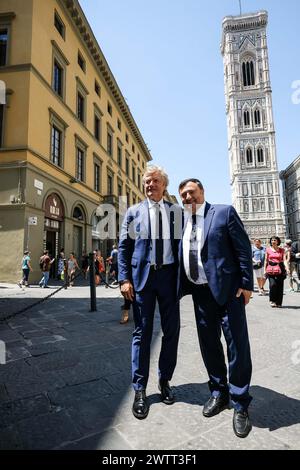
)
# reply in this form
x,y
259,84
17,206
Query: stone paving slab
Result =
x,y
66,384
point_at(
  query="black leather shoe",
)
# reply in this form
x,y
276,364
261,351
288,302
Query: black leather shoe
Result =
x,y
167,396
140,407
215,405
241,423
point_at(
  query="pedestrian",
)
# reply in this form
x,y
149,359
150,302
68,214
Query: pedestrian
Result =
x,y
26,268
45,265
291,267
258,260
61,265
216,268
72,266
275,271
148,260
84,264
113,261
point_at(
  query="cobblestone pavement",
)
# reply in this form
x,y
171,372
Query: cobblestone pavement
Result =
x,y
66,383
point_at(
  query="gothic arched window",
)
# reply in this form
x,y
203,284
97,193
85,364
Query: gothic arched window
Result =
x,y
249,156
260,155
257,118
248,73
246,118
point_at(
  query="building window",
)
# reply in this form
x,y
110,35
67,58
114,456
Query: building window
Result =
x,y
139,181
249,156
81,62
133,199
56,146
133,148
128,197
138,157
58,77
1,123
119,125
246,118
260,156
109,184
80,107
109,144
59,25
120,189
133,173
97,88
3,46
97,127
97,177
120,156
78,214
109,108
80,164
248,73
257,119
126,138
127,166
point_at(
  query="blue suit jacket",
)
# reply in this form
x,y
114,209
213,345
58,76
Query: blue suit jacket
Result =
x,y
134,256
226,255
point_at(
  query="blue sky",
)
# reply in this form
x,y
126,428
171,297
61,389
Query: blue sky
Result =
x,y
165,56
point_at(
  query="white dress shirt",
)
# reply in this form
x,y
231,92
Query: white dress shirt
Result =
x,y
168,254
199,240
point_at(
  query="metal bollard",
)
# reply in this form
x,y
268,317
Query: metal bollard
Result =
x,y
92,282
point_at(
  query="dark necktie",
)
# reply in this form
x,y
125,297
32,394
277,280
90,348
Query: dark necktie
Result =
x,y
159,243
193,254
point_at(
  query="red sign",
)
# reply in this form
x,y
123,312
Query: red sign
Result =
x,y
54,208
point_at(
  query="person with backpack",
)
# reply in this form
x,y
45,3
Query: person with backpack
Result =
x,y
45,265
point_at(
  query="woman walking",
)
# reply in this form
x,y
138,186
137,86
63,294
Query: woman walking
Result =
x,y
275,271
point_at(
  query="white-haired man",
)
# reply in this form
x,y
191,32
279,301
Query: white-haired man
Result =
x,y
148,263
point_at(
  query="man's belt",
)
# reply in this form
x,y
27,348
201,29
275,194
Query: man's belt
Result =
x,y
158,267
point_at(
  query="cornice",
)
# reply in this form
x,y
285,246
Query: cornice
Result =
x,y
85,32
294,166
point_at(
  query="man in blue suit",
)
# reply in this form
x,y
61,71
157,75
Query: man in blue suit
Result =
x,y
216,268
148,266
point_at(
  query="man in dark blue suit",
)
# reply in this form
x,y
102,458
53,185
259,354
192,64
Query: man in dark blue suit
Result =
x,y
216,268
148,266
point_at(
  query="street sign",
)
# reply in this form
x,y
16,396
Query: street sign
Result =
x,y
32,220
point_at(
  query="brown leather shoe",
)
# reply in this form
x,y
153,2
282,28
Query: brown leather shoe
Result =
x,y
124,317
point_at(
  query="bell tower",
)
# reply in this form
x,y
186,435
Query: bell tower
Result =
x,y
250,125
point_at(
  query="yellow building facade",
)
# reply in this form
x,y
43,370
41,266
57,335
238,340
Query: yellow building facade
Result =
x,y
68,141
